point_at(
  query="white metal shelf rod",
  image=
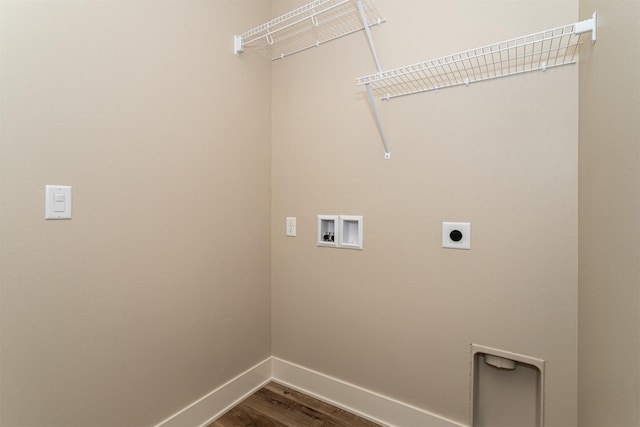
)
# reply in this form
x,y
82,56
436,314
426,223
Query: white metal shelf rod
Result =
x,y
310,17
308,26
332,22
240,40
316,44
477,71
437,87
478,68
538,51
470,54
302,9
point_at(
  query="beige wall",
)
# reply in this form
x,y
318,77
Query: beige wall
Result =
x,y
609,340
399,316
143,302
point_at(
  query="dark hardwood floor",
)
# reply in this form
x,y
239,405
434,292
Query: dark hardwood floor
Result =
x,y
275,405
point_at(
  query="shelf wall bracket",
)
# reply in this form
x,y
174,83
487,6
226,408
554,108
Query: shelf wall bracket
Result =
x,y
238,48
586,26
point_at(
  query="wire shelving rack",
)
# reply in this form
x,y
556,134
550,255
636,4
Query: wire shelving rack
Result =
x,y
309,26
321,21
534,52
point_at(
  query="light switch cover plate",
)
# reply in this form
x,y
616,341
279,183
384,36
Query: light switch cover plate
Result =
x,y
291,226
57,204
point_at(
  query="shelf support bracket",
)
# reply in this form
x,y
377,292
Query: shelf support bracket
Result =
x,y
374,108
237,45
586,26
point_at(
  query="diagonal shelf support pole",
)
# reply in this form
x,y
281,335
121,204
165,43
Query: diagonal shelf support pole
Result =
x,y
374,108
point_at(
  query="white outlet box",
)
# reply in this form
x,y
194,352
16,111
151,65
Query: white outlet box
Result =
x,y
328,230
350,236
456,235
340,231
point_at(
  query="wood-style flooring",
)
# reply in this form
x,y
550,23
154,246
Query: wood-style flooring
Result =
x,y
275,405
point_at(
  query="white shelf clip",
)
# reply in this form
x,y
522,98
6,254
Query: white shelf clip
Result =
x,y
237,45
586,26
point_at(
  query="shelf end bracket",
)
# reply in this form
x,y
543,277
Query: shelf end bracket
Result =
x,y
238,48
586,26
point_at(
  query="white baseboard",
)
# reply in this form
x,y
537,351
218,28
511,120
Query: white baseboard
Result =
x,y
211,406
365,403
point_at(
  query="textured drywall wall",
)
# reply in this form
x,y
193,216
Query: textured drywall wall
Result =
x,y
609,308
398,317
143,302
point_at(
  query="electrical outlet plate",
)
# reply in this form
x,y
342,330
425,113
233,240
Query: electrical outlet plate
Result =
x,y
291,226
450,235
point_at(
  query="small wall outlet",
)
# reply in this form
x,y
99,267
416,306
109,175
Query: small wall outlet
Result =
x,y
456,235
291,226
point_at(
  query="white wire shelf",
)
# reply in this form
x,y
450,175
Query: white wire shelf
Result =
x,y
308,26
539,51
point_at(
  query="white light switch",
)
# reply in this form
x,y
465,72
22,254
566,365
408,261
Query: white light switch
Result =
x,y
57,202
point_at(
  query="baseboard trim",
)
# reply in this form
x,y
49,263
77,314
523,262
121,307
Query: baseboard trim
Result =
x,y
365,403
360,401
223,398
